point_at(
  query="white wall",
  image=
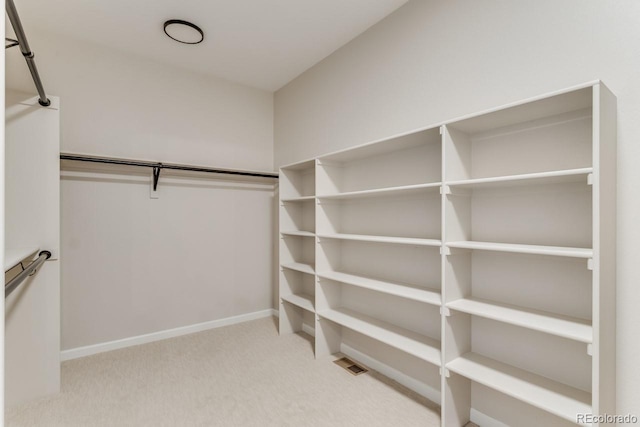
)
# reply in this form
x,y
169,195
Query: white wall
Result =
x,y
203,250
134,265
434,60
32,221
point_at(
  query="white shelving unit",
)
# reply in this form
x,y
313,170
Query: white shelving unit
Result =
x,y
473,261
297,246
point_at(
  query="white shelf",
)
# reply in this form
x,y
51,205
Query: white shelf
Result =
x,y
524,249
393,144
552,177
297,233
13,256
304,165
383,239
301,300
412,292
297,199
418,345
298,266
541,392
389,191
563,326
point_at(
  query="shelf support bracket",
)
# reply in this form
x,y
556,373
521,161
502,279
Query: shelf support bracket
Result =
x,y
445,250
590,349
456,191
590,179
445,372
444,311
590,264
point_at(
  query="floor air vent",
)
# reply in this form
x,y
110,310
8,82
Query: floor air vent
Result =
x,y
350,366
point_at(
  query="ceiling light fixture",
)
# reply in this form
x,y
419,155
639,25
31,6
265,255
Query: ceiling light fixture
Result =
x,y
183,31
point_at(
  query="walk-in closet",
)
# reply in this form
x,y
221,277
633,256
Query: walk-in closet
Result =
x,y
323,213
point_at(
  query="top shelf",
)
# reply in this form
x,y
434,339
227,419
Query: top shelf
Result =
x,y
536,109
307,164
381,147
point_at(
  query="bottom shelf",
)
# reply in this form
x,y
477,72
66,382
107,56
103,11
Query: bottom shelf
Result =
x,y
303,301
416,344
551,396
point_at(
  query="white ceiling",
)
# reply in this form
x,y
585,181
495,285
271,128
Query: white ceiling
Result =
x,y
260,43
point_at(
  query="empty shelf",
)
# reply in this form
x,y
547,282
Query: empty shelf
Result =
x,y
524,249
416,344
429,296
298,266
297,199
389,191
563,326
551,396
552,177
297,233
13,256
383,239
301,300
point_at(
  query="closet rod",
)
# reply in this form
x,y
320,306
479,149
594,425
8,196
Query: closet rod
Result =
x,y
31,268
26,51
157,166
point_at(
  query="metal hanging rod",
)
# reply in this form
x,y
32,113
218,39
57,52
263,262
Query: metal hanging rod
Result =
x,y
26,272
26,51
158,166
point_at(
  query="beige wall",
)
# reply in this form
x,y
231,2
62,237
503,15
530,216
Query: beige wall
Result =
x,y
203,250
435,60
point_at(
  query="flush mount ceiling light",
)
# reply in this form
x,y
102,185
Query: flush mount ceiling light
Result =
x,y
183,31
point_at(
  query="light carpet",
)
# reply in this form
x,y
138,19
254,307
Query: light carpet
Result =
x,y
240,375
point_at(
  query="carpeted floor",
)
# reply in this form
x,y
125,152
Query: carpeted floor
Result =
x,y
240,375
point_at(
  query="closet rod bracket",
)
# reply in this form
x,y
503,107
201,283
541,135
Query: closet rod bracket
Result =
x,y
156,176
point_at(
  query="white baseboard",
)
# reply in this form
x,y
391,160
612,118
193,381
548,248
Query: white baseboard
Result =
x,y
308,329
75,353
485,420
404,379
